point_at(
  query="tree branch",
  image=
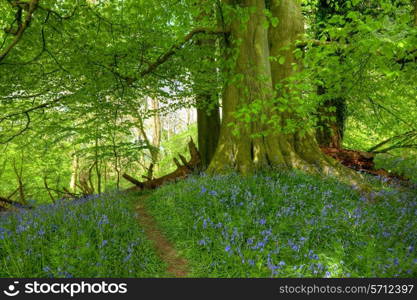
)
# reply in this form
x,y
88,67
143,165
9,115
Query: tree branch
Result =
x,y
43,105
168,54
21,30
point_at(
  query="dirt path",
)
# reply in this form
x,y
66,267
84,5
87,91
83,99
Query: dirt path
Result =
x,y
177,266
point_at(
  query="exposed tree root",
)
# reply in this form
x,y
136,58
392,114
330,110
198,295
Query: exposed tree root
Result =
x,y
363,162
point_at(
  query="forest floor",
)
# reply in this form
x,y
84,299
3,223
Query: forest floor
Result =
x,y
274,224
177,266
288,224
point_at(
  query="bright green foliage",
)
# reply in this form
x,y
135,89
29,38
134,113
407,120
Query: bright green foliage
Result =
x,y
366,54
76,85
178,144
401,162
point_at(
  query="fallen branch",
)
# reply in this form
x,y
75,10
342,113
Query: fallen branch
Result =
x,y
362,162
182,171
68,194
13,203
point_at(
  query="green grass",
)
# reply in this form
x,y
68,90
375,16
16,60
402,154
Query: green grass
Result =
x,y
288,225
90,237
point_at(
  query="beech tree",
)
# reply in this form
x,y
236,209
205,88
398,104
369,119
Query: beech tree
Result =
x,y
76,77
255,82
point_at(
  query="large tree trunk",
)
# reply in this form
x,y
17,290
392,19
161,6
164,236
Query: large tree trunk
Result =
x,y
243,152
207,99
331,124
208,124
248,150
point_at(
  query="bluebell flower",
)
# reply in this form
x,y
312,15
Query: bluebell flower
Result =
x,y
103,220
202,242
295,247
127,258
213,193
312,255
21,228
259,245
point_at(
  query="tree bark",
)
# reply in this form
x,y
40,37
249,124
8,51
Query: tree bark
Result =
x,y
207,100
208,124
156,137
74,175
415,13
19,177
331,124
208,114
98,166
248,150
332,112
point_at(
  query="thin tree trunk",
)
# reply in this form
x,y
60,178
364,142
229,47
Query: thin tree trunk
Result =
x,y
156,137
97,165
105,175
415,12
74,174
115,153
45,183
19,177
116,162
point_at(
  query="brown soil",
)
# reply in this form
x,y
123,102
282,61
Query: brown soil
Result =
x,y
177,266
